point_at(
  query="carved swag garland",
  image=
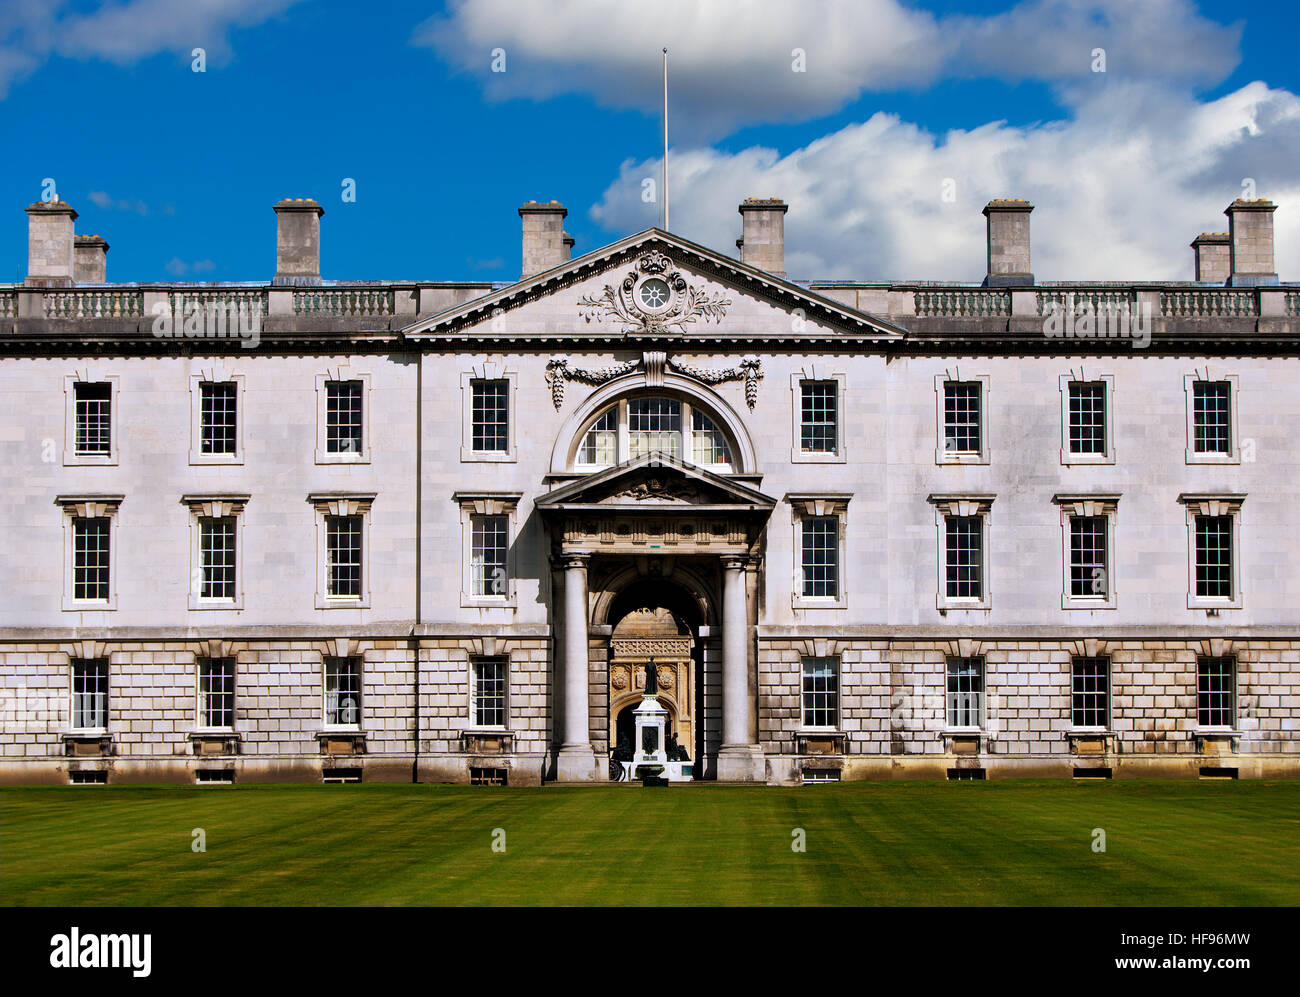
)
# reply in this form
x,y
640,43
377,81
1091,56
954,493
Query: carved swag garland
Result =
x,y
560,370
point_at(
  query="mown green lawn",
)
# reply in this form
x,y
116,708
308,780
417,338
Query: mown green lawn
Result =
x,y
1184,843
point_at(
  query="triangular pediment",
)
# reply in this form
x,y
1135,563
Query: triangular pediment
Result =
x,y
653,285
655,481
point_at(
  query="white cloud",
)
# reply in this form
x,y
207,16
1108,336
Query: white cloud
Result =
x,y
121,31
102,199
731,60
1120,189
179,268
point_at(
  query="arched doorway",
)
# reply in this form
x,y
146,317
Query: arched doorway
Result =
x,y
653,618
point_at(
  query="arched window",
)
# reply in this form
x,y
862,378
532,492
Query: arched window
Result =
x,y
644,424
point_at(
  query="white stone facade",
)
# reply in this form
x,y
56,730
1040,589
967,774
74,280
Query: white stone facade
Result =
x,y
720,545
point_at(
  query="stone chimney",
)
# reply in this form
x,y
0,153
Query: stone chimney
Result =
x,y
762,234
1213,257
1008,242
49,244
1250,231
544,236
297,242
568,246
90,259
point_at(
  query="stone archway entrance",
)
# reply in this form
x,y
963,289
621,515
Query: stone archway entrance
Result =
x,y
644,634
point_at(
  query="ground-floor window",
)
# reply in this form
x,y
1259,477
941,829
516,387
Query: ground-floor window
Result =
x,y
821,692
217,692
1216,691
965,691
489,706
1090,692
343,691
90,694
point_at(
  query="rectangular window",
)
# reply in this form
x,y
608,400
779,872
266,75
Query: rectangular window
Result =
x,y
1216,691
1211,420
965,557
821,556
343,691
217,418
654,425
94,417
89,694
1087,417
965,691
1088,570
343,556
217,557
488,549
1214,556
217,692
961,417
343,417
490,692
821,692
819,422
1090,692
90,558
490,431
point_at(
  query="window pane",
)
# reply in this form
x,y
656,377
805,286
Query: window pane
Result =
x,y
708,444
1215,687
490,692
217,557
1087,418
343,691
491,417
90,558
343,416
94,417
1211,430
961,418
488,545
821,556
965,557
1090,692
600,445
89,693
217,692
217,417
1088,574
819,424
343,555
1214,556
820,692
965,691
654,425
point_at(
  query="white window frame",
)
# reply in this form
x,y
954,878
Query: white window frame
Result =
x,y
72,695
1110,694
797,454
326,725
818,506
489,372
474,725
963,505
215,507
1233,456
1236,696
215,375
70,456
1213,505
1101,506
839,694
981,707
622,433
1107,381
89,507
323,455
341,504
941,454
199,726
487,504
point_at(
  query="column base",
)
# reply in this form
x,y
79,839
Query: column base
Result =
x,y
575,763
741,763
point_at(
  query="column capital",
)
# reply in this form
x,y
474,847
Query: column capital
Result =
x,y
734,562
575,559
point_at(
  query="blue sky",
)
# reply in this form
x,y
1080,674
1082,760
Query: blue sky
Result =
x,y
178,170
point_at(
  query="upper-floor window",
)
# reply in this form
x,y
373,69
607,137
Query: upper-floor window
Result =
x,y
343,417
94,418
673,427
91,559
217,564
218,418
963,419
965,557
1087,417
821,556
1211,417
490,412
489,548
1214,557
343,556
819,423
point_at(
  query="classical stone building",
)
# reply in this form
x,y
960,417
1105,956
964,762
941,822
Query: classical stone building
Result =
x,y
306,529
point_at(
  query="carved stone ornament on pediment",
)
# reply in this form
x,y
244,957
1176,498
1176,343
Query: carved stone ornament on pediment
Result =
x,y
560,369
654,298
665,489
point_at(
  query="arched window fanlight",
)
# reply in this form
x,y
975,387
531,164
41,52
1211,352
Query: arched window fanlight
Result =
x,y
632,427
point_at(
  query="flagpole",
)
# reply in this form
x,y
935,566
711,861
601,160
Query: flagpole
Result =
x,y
665,138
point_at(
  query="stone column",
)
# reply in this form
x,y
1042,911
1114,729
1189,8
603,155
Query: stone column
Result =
x,y
740,759
576,761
